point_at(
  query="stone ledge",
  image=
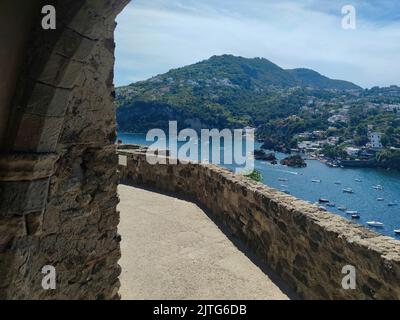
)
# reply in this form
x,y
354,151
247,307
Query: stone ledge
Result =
x,y
306,246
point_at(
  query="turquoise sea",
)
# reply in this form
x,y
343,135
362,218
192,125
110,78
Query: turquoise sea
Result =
x,y
299,183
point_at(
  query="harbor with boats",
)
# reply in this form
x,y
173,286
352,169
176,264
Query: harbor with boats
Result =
x,y
365,195
370,197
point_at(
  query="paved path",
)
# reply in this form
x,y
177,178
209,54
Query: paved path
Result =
x,y
172,250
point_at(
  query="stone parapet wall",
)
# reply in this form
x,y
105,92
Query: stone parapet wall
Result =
x,y
305,246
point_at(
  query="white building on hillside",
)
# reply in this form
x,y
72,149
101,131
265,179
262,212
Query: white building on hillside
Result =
x,y
375,140
353,152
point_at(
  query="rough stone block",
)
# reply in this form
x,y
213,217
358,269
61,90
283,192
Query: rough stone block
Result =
x,y
74,45
23,197
38,133
46,100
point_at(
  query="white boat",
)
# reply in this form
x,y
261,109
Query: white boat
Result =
x,y
322,200
322,208
316,180
378,187
351,212
283,179
355,216
331,204
338,182
358,180
375,224
380,199
397,231
348,190
342,208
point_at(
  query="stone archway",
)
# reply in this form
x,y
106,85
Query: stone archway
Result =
x,y
58,163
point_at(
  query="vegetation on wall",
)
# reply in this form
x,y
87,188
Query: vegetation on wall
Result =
x,y
255,175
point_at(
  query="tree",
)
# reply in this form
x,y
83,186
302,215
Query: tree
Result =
x,y
389,159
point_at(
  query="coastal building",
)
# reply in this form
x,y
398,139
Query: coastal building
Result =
x,y
308,146
322,143
352,151
375,140
318,133
305,135
338,118
391,107
333,141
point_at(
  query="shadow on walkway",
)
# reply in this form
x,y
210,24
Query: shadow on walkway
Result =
x,y
234,240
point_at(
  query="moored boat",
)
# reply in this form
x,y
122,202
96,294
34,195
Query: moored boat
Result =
x,y
351,212
375,224
323,200
397,231
355,216
341,208
348,190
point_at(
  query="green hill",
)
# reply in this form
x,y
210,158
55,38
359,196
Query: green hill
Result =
x,y
221,92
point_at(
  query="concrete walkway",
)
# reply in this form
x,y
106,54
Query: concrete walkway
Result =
x,y
172,250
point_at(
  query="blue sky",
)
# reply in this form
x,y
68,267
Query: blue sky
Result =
x,y
154,36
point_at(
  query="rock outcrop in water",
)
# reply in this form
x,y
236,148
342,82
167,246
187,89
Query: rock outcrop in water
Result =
x,y
295,161
263,156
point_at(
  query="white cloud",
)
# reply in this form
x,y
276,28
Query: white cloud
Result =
x,y
155,36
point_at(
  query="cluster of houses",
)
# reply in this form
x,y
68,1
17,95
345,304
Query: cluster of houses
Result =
x,y
341,115
383,106
368,151
391,107
314,146
312,142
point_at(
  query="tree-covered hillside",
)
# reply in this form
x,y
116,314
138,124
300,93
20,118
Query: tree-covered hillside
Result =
x,y
221,92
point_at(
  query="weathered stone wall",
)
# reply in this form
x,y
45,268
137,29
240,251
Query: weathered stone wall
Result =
x,y
58,182
304,245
